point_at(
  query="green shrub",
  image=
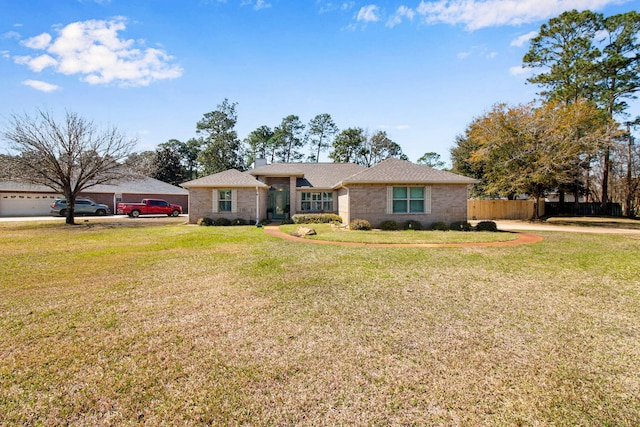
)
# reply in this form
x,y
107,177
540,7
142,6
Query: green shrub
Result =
x,y
323,218
439,226
206,222
286,221
388,225
412,225
460,226
222,222
239,221
486,226
360,224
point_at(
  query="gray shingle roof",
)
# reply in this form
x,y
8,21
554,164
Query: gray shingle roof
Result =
x,y
316,175
143,185
396,171
228,178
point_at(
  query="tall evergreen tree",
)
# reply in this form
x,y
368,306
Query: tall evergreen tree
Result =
x,y
289,139
221,149
321,130
260,144
584,55
347,146
168,165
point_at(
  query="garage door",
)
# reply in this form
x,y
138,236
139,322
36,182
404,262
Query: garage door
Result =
x,y
25,204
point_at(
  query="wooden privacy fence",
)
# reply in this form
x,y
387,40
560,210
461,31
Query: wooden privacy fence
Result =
x,y
501,209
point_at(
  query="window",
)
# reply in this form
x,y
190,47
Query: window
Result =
x,y
224,200
409,200
317,201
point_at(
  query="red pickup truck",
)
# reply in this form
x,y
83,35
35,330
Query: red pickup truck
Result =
x,y
148,207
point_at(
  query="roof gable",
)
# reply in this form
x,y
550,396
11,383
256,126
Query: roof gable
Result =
x,y
313,175
229,178
396,171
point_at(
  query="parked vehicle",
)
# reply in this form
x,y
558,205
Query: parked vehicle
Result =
x,y
149,207
81,207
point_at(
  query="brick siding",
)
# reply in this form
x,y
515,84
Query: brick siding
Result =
x,y
448,204
201,204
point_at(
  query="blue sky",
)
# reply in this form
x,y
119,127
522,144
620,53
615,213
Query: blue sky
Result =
x,y
419,70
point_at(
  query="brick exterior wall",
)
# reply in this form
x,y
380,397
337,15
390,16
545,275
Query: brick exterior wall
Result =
x,y
201,204
448,204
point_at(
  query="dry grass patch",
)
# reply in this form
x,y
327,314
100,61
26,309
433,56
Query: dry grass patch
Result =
x,y
226,326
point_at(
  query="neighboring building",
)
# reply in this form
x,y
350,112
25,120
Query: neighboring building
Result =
x,y
393,189
19,199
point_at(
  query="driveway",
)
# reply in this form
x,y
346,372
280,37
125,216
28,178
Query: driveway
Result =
x,y
508,225
85,218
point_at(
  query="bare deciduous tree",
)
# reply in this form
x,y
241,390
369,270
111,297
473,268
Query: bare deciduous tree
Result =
x,y
68,156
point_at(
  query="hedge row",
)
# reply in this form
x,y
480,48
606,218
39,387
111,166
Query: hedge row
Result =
x,y
223,222
391,225
316,219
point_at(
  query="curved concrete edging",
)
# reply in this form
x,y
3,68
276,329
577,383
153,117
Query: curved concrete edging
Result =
x,y
523,239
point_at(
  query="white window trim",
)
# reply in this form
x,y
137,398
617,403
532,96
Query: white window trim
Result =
x,y
215,208
322,200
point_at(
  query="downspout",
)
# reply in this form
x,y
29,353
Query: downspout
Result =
x,y
257,206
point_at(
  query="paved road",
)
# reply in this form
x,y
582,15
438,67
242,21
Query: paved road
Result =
x,y
80,219
531,226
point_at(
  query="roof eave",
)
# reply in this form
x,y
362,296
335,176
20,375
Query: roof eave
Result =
x,y
406,182
256,185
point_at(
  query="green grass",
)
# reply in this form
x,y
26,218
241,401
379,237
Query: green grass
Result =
x,y
164,323
326,232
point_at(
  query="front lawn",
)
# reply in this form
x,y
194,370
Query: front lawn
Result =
x,y
326,232
170,324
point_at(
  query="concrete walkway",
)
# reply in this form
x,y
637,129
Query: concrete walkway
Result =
x,y
523,239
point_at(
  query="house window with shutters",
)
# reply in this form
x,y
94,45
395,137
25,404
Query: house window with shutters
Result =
x,y
225,200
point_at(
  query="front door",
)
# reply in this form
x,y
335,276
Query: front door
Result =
x,y
279,201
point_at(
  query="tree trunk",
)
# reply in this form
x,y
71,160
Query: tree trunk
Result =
x,y
71,206
70,216
605,178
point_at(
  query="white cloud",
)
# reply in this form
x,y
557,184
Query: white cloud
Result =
x,y
37,42
261,4
5,54
328,6
519,70
93,50
38,63
10,35
368,14
476,14
40,85
478,51
401,13
521,40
